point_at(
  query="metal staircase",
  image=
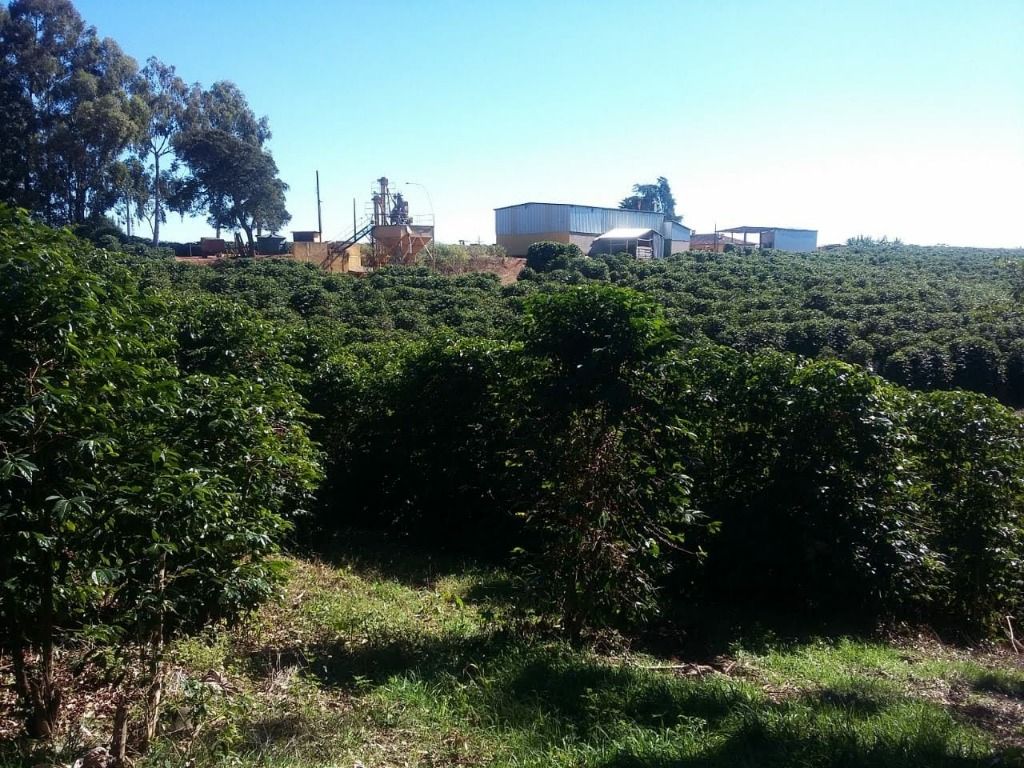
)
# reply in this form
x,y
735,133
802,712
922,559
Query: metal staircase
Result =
x,y
336,248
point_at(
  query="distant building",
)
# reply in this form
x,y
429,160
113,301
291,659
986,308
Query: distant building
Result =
x,y
713,242
520,226
779,238
321,255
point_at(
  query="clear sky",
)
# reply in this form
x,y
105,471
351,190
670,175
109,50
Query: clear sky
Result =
x,y
893,117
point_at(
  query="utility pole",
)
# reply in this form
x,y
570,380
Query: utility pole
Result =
x,y
319,217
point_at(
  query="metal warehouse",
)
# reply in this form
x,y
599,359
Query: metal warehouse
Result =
x,y
520,226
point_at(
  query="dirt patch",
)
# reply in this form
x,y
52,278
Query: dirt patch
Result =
x,y
1001,716
506,268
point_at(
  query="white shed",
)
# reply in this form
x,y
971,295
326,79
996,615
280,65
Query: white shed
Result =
x,y
636,241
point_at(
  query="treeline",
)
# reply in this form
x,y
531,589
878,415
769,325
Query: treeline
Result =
x,y
88,134
163,428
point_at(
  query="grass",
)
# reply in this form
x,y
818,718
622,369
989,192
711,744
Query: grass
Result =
x,y
407,663
388,658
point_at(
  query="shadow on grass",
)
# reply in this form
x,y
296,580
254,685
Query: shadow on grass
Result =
x,y
547,696
593,698
375,554
846,726
494,589
1001,683
755,745
861,698
704,631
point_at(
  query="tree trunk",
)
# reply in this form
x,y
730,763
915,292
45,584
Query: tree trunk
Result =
x,y
154,693
248,236
119,738
156,199
38,692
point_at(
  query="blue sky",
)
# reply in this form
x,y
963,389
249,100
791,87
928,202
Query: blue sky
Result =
x,y
891,118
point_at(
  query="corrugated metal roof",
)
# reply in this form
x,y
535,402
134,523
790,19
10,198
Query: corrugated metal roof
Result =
x,y
627,233
755,230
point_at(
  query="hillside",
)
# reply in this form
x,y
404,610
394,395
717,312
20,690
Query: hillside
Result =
x,y
686,552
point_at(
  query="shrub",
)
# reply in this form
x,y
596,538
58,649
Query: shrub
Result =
x,y
801,463
418,436
547,256
602,453
137,504
970,454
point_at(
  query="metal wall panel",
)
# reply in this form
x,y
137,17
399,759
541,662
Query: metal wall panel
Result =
x,y
673,230
597,221
796,240
531,218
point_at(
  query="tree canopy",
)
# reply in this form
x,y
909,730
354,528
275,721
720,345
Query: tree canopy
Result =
x,y
233,180
86,132
652,197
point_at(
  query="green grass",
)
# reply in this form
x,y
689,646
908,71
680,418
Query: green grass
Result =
x,y
408,664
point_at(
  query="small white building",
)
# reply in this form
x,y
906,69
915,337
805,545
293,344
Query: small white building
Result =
x,y
779,238
644,244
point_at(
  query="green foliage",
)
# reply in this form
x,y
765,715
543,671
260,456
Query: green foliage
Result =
x,y
605,449
139,500
164,94
154,448
74,92
87,133
451,259
970,452
440,413
546,256
652,197
809,473
564,444
802,466
234,180
926,318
